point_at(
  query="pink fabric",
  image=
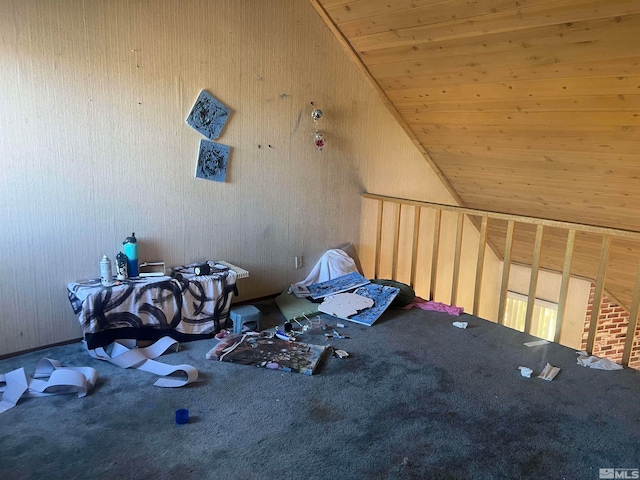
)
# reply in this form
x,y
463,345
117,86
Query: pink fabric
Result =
x,y
423,304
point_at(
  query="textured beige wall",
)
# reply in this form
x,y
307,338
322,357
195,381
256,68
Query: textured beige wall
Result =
x,y
94,145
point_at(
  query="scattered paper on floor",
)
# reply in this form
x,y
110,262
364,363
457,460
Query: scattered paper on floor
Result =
x,y
598,363
549,372
59,380
125,355
525,371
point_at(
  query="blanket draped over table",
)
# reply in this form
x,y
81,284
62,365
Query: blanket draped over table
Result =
x,y
184,303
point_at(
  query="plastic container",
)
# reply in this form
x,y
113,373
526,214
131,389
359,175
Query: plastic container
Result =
x,y
182,416
106,271
131,251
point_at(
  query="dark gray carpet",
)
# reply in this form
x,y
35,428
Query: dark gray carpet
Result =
x,y
418,399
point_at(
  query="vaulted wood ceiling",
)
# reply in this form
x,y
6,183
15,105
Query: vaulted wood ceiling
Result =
x,y
529,107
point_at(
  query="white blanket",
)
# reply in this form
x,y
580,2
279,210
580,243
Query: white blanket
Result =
x,y
334,263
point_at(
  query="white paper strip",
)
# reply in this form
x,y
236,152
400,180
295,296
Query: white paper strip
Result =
x,y
142,359
60,380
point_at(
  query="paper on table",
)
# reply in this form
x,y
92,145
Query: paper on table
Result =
x,y
549,372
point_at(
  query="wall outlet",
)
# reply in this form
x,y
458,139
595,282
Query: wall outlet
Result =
x,y
299,261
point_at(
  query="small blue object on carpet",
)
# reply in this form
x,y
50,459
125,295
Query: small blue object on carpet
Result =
x,y
245,315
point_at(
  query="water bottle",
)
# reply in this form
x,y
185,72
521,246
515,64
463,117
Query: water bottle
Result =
x,y
131,251
106,273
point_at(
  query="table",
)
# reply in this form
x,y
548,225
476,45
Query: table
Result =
x,y
182,305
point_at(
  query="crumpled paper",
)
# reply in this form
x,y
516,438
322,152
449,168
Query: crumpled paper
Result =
x,y
549,372
598,363
525,371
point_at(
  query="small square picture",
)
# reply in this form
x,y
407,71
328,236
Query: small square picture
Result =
x,y
212,161
208,115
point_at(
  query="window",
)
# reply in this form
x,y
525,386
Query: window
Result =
x,y
543,320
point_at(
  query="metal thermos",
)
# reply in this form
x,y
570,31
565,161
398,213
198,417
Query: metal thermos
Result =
x,y
131,251
106,273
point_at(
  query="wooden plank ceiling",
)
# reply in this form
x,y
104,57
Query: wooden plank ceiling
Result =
x,y
529,107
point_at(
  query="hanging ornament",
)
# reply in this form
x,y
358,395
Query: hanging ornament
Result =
x,y
316,114
318,137
319,140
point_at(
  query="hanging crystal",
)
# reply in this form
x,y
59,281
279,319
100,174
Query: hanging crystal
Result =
x,y
319,140
318,137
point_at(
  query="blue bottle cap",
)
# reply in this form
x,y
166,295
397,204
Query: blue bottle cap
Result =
x,y
131,239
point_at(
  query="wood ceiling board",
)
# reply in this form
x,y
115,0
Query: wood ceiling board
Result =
x,y
622,262
428,15
556,43
572,191
594,141
531,89
559,119
524,18
611,217
563,211
474,74
585,103
609,167
345,11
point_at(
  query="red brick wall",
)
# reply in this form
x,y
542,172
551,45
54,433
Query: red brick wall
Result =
x,y
613,321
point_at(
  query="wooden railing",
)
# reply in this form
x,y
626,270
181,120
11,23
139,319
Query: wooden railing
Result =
x,y
482,221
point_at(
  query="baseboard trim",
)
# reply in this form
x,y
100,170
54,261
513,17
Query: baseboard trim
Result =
x,y
256,300
35,349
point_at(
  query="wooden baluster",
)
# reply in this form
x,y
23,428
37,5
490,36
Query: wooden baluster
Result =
x,y
378,240
396,243
482,244
414,247
434,254
506,267
564,285
456,259
633,321
597,296
533,281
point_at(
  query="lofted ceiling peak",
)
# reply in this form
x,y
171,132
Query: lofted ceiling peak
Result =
x,y
527,107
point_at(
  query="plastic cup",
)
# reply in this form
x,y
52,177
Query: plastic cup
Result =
x,y
182,416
